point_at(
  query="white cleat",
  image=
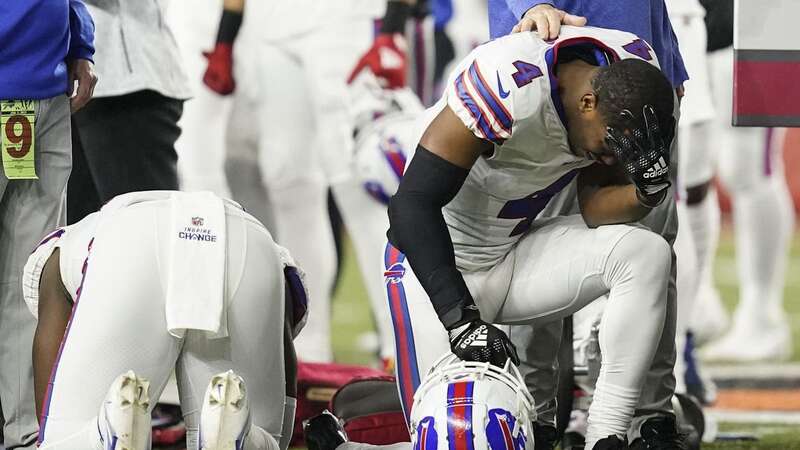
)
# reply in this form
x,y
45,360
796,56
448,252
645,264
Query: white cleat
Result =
x,y
225,418
750,343
124,419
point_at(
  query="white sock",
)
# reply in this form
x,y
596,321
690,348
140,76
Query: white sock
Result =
x,y
752,170
764,221
367,221
303,227
687,281
611,411
703,219
637,273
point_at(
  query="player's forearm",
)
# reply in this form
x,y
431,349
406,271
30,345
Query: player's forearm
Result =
x,y
417,228
609,205
230,22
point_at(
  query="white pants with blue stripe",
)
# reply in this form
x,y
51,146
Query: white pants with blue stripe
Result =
x,y
560,266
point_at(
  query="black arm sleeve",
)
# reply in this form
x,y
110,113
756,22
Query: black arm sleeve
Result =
x,y
394,21
417,228
229,25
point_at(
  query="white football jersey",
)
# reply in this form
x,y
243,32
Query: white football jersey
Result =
x,y
505,91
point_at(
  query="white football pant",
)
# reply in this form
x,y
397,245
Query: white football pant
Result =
x,y
556,269
118,324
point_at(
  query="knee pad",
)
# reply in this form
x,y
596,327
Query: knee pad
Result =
x,y
647,255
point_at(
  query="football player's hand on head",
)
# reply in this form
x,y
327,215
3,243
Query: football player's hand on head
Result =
x,y
482,342
386,59
547,20
219,73
644,152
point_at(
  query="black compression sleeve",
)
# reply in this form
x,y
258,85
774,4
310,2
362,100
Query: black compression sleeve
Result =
x,y
417,228
394,21
229,25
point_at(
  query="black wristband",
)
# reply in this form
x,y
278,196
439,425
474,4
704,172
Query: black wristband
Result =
x,y
394,21
229,25
450,297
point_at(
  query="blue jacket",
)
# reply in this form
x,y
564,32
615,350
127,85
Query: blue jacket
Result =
x,y
645,18
37,37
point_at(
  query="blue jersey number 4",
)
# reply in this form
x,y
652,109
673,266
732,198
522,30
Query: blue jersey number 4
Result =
x,y
529,207
526,72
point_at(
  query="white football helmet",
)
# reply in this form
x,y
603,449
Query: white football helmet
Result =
x,y
385,134
472,406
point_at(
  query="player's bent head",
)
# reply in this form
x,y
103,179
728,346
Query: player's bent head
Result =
x,y
631,84
626,85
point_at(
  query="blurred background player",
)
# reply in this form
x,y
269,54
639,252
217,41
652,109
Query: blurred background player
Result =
x,y
303,55
46,71
687,21
125,137
206,290
748,162
201,146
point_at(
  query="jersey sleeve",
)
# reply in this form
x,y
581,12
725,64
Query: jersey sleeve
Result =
x,y
295,279
32,272
481,94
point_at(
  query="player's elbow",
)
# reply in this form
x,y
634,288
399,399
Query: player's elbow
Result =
x,y
398,212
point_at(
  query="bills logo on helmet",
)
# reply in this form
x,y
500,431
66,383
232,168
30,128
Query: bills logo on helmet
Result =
x,y
426,437
394,274
499,431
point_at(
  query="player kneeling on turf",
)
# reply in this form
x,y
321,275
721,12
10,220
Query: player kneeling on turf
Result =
x,y
155,282
519,120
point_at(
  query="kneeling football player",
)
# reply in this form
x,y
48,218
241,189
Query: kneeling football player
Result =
x,y
519,120
155,282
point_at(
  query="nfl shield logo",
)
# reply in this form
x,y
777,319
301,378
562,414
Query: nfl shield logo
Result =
x,y
197,221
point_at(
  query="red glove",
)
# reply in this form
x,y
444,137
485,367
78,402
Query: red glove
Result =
x,y
386,59
219,73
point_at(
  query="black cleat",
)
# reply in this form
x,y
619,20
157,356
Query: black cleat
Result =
x,y
610,443
324,432
545,437
660,433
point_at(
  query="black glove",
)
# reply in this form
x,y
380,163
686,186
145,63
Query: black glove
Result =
x,y
644,153
482,342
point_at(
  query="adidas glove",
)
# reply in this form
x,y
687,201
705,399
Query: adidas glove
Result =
x,y
482,342
644,154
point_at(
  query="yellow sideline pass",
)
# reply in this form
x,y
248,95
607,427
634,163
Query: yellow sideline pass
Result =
x,y
17,124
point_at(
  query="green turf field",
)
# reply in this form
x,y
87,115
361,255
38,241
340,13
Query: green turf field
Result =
x,y
353,324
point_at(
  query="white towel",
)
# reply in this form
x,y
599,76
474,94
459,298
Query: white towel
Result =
x,y
196,277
